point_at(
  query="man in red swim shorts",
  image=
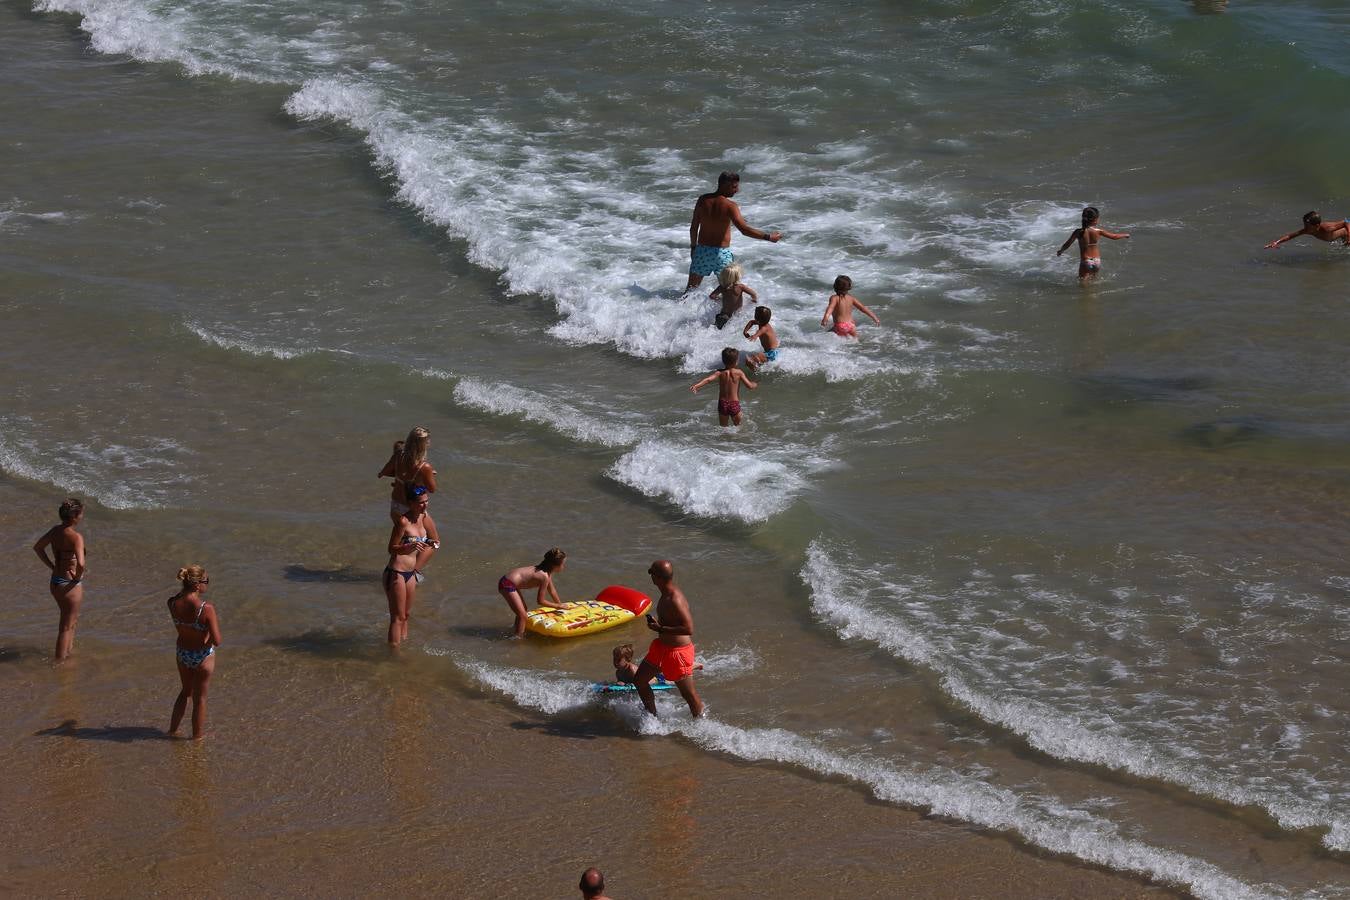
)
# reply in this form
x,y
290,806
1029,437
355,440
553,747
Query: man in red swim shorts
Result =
x,y
672,653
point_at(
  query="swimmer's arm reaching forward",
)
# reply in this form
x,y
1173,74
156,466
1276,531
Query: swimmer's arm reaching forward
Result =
x,y
1077,233
745,332
1124,235
704,383
857,304
1288,237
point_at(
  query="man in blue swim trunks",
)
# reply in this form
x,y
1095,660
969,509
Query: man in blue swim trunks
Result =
x,y
710,230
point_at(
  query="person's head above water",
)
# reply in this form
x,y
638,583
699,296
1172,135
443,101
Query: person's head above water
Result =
x,y
662,571
730,356
729,276
762,315
1090,214
1311,218
623,654
592,883
843,284
728,183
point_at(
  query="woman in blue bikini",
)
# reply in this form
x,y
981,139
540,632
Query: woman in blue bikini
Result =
x,y
198,637
67,571
412,543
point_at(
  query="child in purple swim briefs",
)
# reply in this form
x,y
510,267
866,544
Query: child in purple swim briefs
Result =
x,y
729,378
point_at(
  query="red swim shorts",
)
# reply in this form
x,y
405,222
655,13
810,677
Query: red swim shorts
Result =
x,y
845,329
675,662
729,408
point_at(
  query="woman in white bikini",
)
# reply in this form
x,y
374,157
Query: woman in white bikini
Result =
x,y
408,465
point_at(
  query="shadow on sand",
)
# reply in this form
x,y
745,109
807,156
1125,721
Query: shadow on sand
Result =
x,y
332,645
344,575
122,734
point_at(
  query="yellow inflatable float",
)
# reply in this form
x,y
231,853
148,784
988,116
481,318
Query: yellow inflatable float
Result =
x,y
613,606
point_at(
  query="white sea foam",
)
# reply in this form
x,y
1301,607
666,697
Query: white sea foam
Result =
x,y
750,485
596,246
514,402
1042,823
1097,739
117,475
245,344
135,29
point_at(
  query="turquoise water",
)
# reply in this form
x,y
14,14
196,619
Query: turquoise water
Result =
x,y
1096,536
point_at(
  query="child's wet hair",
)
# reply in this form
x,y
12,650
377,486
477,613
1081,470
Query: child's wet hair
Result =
x,y
1312,218
70,509
1090,214
728,277
728,178
552,559
763,314
623,653
730,356
843,284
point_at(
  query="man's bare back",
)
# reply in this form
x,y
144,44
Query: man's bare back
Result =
x,y
714,215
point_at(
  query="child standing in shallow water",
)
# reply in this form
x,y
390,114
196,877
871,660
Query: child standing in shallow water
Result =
x,y
731,292
840,308
729,378
525,577
764,333
1089,257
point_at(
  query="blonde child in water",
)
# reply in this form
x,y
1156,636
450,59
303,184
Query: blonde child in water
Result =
x,y
729,379
731,292
841,307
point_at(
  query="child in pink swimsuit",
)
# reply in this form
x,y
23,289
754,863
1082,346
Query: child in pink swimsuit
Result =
x,y
840,309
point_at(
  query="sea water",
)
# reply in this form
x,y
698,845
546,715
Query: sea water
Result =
x,y
1065,562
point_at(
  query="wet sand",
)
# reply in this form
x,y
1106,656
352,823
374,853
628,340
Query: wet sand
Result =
x,y
333,767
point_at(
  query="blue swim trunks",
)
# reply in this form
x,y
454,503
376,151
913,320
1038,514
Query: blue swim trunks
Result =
x,y
771,355
709,260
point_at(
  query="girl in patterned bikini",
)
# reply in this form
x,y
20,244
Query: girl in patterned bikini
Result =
x,y
198,637
67,571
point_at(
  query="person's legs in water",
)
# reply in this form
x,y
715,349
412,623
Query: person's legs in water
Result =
x,y
68,597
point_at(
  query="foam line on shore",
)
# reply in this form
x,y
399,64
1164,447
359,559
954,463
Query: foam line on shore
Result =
x,y
1048,730
1041,823
749,485
508,400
